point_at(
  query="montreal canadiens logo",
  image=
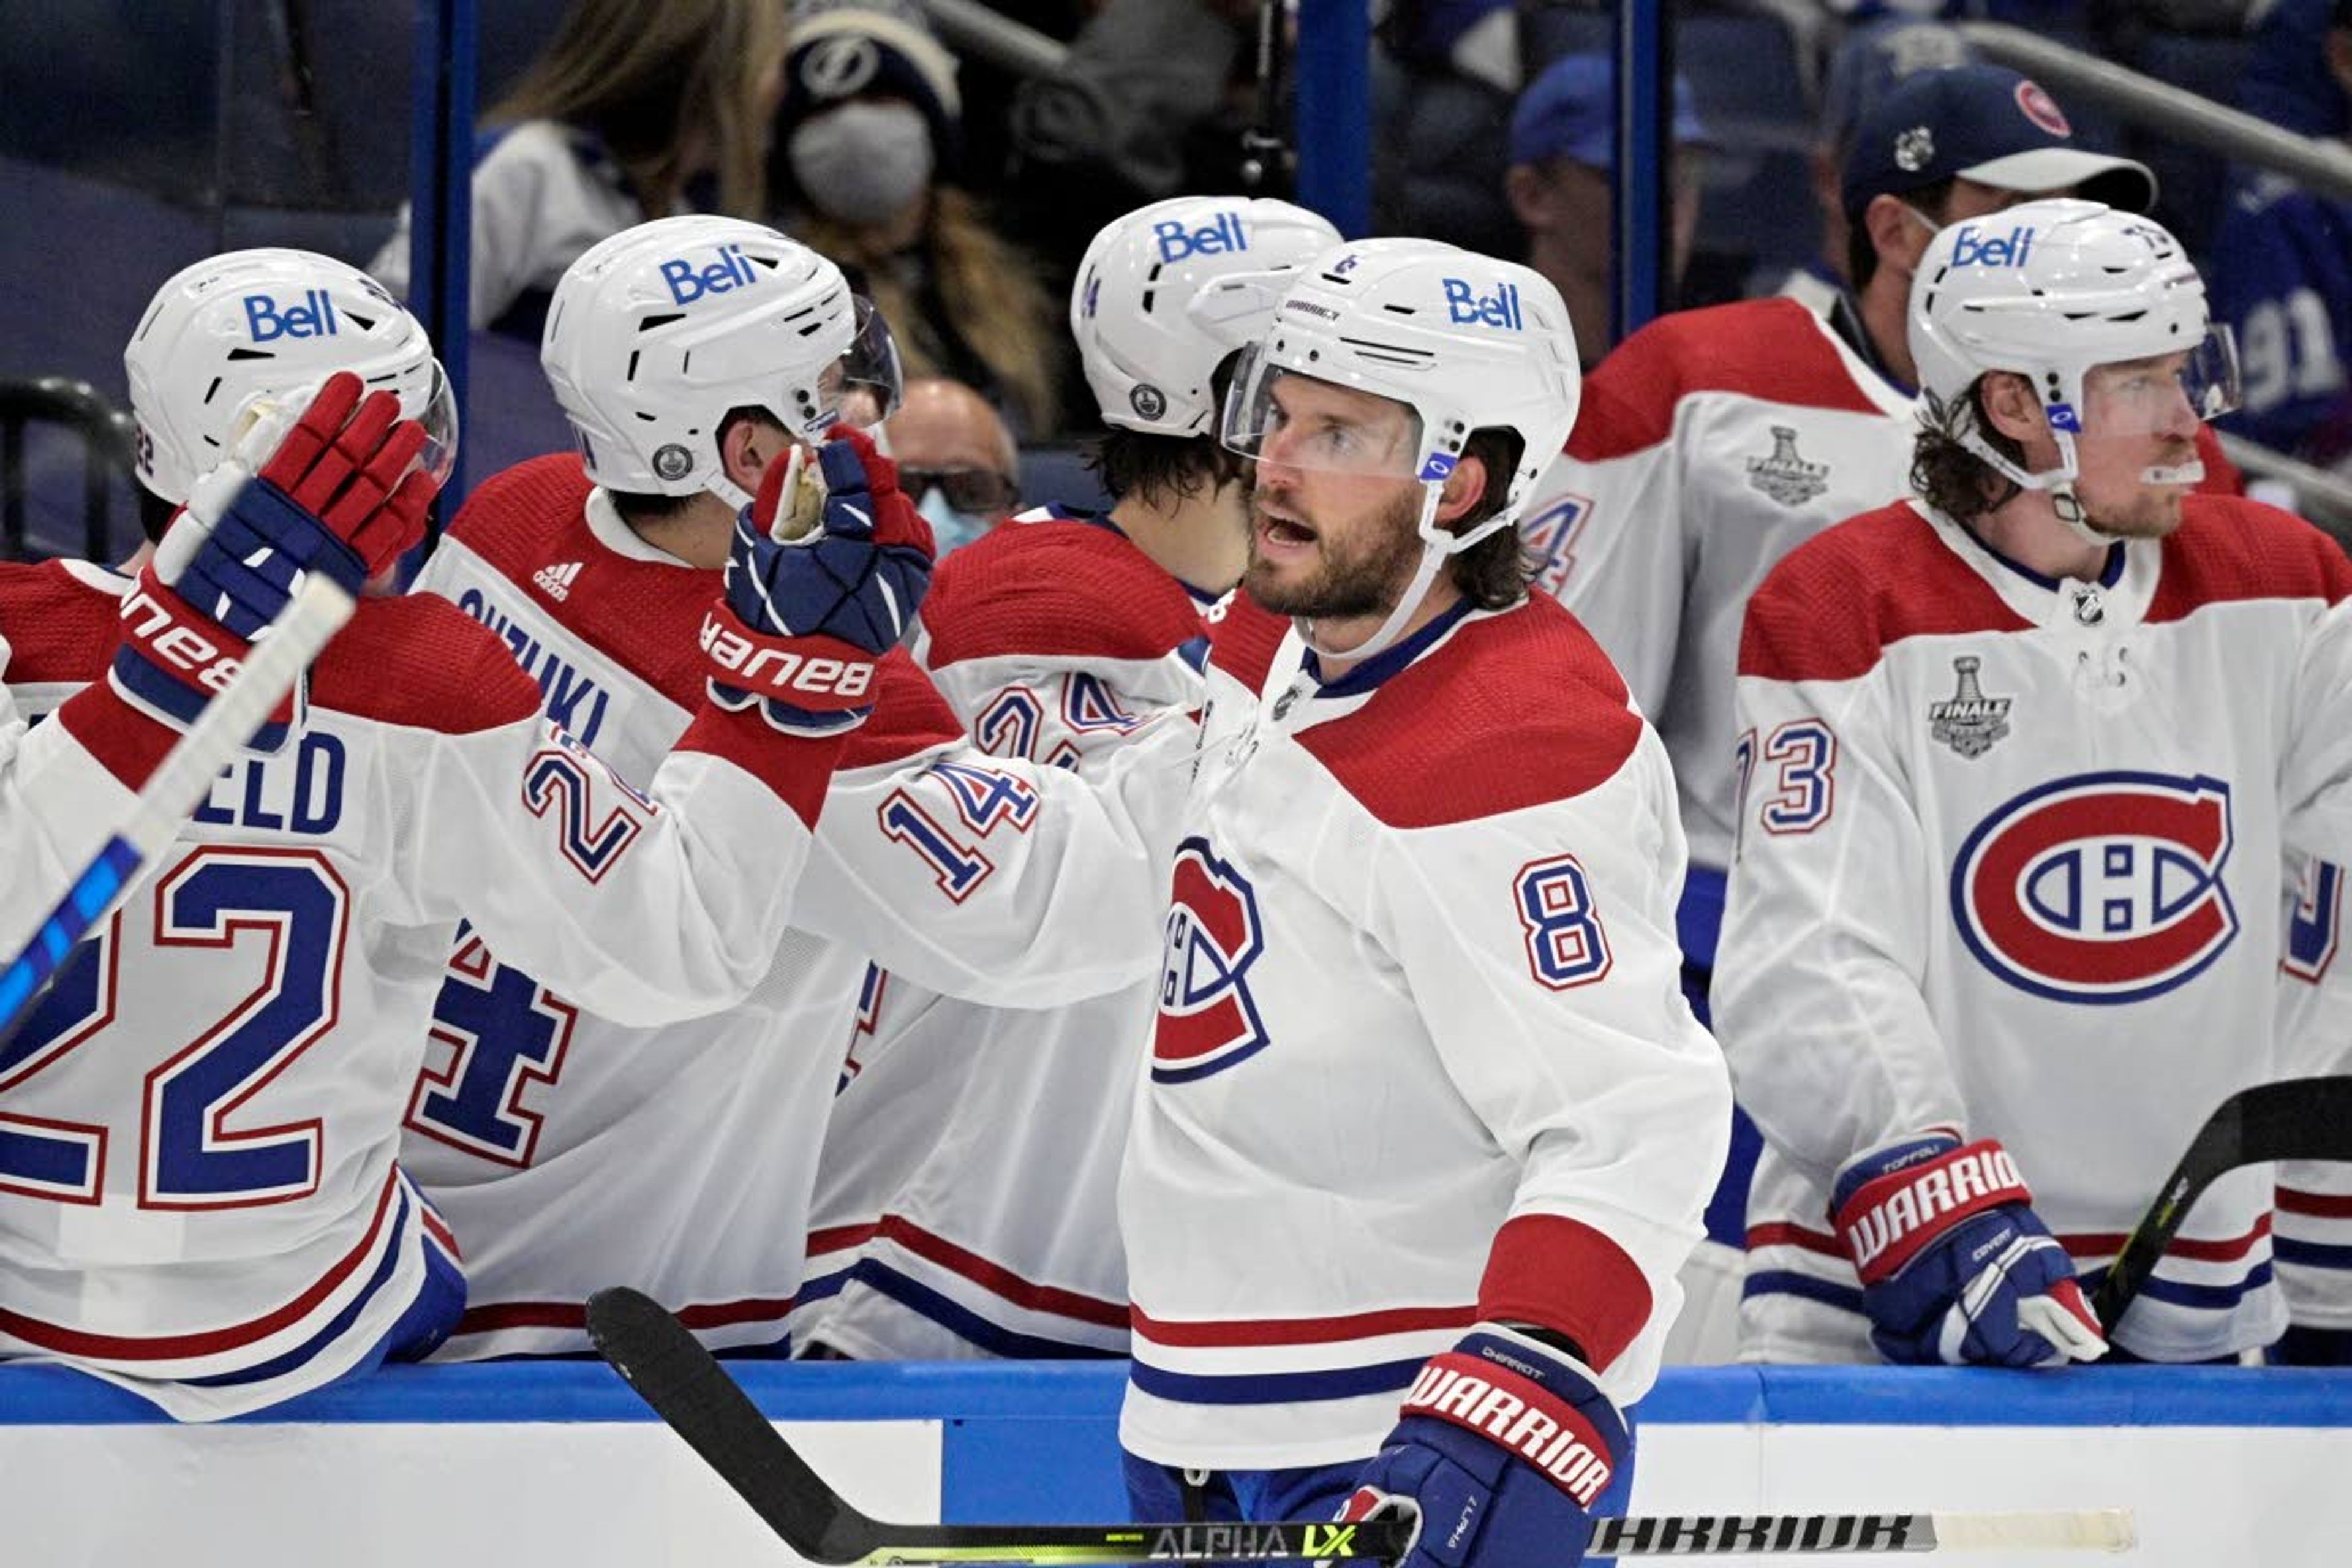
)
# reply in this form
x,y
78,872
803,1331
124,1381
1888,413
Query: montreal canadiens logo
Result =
x,y
2100,887
1207,1021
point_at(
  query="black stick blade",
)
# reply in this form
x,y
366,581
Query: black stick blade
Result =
x,y
2300,1118
656,1356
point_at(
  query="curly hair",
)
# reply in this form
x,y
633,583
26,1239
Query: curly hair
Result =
x,y
1947,475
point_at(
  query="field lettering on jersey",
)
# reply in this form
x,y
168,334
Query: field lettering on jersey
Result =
x,y
298,790
1208,1019
566,695
266,320
688,282
2100,887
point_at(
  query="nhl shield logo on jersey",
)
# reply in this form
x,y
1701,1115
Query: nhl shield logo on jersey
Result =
x,y
1208,1020
2102,888
1969,722
1783,475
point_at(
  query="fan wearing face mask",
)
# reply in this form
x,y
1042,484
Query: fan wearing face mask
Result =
x,y
955,457
866,147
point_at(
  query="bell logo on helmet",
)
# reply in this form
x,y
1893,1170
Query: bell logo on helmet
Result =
x,y
1218,236
1971,250
266,321
689,283
1464,304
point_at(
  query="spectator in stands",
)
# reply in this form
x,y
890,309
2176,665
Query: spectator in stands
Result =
x,y
866,145
955,456
2282,256
633,112
1563,150
1713,441
1866,68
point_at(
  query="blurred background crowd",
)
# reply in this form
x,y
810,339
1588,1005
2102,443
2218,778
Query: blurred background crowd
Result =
x,y
959,191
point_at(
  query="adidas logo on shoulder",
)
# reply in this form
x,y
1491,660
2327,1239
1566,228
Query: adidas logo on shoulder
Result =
x,y
556,581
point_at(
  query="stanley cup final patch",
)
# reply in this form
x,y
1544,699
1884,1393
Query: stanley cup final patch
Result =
x,y
1783,475
1969,722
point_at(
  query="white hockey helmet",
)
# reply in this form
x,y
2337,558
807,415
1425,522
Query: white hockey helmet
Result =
x,y
658,332
2050,291
1464,341
1165,294
248,325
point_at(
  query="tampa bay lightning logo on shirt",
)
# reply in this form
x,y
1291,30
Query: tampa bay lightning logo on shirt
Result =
x,y
2102,888
1208,1019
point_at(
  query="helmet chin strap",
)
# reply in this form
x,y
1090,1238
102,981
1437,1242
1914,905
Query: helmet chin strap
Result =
x,y
1436,546
2057,483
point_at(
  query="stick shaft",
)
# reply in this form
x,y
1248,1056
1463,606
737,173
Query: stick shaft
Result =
x,y
176,788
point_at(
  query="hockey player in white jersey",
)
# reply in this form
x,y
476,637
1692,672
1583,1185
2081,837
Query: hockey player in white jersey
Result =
x,y
2021,756
199,1199
570,1149
1713,441
1426,1118
2312,1234
966,1198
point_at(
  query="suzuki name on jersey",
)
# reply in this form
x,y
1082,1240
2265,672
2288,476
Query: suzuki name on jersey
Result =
x,y
266,320
1449,1390
566,695
1220,236
1466,305
1977,247
688,282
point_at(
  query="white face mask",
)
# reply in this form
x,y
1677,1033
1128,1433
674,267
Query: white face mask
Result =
x,y
863,162
949,527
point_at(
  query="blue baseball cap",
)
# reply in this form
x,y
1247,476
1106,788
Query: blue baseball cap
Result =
x,y
1985,123
1569,111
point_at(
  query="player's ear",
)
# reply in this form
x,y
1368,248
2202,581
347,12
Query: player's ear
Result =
x,y
1462,488
2011,407
746,448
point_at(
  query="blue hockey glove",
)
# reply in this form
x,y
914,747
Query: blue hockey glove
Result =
x,y
824,576
329,487
1956,1266
1503,1446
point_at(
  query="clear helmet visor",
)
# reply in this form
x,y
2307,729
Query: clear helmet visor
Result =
x,y
2163,393
1288,419
435,407
862,387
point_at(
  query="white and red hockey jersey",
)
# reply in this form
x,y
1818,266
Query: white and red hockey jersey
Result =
x,y
2313,1238
570,1150
1708,444
198,1192
966,1202
1421,1056
2011,867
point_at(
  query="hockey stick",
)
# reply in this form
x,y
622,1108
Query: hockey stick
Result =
x,y
2299,1119
685,1386
178,786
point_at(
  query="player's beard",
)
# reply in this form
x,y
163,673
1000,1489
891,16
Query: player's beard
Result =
x,y
1364,578
2145,510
